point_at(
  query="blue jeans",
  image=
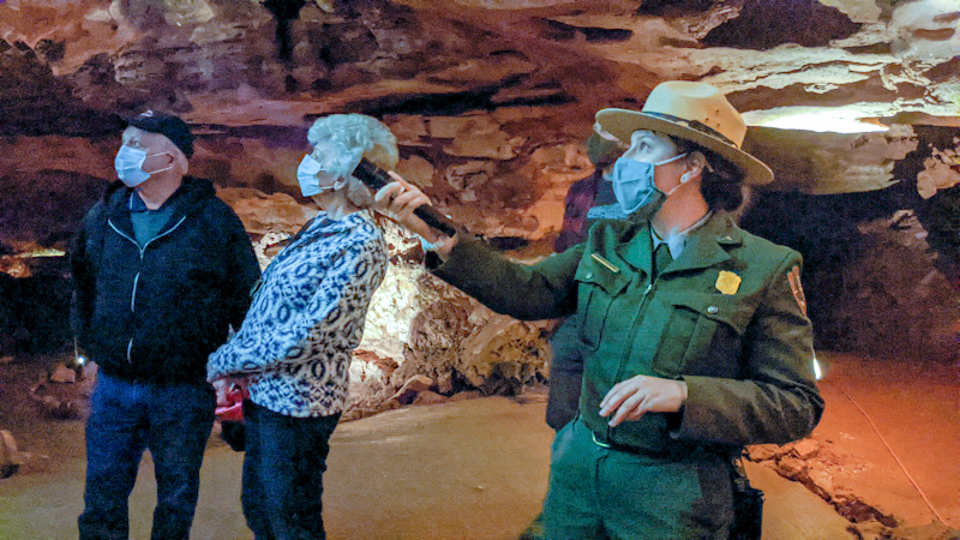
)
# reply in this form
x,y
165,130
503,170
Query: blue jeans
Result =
x,y
283,473
173,422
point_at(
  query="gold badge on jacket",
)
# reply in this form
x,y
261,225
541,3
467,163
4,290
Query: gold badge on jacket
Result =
x,y
728,282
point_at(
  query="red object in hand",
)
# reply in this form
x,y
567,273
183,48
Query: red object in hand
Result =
x,y
232,411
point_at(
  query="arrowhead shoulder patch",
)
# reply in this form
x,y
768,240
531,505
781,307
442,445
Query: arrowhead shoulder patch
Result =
x,y
793,276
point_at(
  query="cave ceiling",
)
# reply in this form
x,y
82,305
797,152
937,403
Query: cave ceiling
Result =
x,y
857,101
524,73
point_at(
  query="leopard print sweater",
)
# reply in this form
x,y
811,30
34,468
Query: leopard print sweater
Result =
x,y
306,318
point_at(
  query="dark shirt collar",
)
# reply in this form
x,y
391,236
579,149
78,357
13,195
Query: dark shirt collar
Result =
x,y
136,204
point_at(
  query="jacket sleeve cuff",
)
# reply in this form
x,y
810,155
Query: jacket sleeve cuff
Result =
x,y
465,258
697,419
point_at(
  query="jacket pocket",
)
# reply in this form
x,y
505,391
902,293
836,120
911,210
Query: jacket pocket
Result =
x,y
598,288
704,336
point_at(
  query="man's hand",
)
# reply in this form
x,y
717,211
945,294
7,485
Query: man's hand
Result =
x,y
639,395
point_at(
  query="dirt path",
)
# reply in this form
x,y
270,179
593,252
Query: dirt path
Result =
x,y
899,424
474,470
477,470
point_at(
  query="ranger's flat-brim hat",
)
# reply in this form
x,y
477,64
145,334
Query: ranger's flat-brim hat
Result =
x,y
693,111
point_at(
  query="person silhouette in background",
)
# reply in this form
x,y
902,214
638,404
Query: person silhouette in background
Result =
x,y
587,200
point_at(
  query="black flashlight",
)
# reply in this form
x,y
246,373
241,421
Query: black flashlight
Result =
x,y
375,178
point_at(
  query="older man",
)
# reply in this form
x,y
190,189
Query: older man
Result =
x,y
163,268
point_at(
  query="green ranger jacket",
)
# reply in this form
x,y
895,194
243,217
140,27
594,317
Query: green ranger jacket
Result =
x,y
727,317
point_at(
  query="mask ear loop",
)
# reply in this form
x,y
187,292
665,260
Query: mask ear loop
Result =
x,y
687,176
167,168
706,165
684,178
338,185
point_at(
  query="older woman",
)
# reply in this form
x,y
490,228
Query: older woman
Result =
x,y
293,351
695,334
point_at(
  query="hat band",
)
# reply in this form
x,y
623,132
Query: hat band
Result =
x,y
693,124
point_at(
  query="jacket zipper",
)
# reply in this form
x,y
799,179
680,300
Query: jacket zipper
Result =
x,y
136,279
636,324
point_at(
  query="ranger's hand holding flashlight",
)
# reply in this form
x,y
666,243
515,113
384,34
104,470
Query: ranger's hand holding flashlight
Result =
x,y
398,200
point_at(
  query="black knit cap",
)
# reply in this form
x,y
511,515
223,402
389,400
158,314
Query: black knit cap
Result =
x,y
167,125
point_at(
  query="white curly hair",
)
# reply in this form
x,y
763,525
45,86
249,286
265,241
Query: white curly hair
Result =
x,y
340,140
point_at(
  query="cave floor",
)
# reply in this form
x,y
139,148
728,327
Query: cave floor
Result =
x,y
477,469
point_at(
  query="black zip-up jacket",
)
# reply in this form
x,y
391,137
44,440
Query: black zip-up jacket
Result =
x,y
154,314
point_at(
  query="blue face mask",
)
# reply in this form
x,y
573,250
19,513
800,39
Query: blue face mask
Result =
x,y
129,165
308,176
634,187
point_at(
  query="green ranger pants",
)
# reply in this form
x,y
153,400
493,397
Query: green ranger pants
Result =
x,y
598,492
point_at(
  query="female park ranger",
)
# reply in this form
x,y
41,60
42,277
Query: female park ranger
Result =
x,y
695,332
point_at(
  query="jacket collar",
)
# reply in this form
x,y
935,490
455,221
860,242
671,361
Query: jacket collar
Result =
x,y
188,199
320,223
706,246
321,227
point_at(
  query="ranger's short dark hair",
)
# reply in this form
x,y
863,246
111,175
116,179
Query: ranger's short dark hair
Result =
x,y
722,185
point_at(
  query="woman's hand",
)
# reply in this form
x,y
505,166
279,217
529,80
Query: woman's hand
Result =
x,y
397,200
229,388
639,395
